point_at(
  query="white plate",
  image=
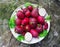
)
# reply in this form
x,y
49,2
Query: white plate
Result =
x,y
34,40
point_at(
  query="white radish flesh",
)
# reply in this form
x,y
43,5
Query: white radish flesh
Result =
x,y
28,36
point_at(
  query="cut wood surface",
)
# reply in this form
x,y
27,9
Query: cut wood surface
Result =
x,y
6,37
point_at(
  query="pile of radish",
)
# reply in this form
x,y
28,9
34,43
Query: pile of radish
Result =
x,y
30,20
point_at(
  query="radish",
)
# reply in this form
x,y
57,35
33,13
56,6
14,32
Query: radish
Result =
x,y
34,33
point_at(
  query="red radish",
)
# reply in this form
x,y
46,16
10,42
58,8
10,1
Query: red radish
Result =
x,y
18,21
25,9
20,15
18,29
35,13
45,26
33,22
20,10
34,33
30,8
23,27
27,27
41,20
25,21
28,13
23,33
39,28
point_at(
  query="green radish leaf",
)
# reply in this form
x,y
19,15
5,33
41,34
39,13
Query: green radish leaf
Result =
x,y
20,38
28,4
12,22
48,17
43,34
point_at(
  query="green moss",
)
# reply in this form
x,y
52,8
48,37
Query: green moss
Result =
x,y
6,10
